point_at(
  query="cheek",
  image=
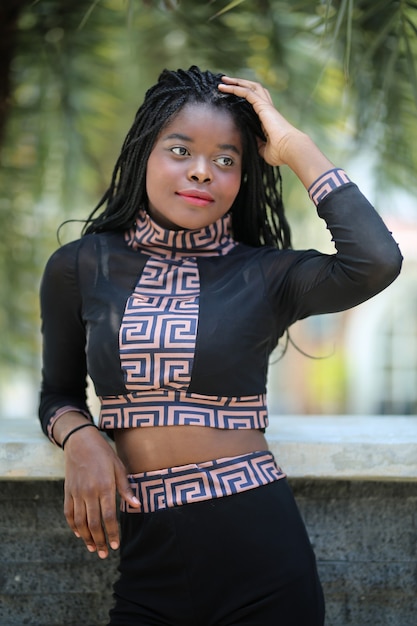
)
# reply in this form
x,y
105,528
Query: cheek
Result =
x,y
156,179
161,172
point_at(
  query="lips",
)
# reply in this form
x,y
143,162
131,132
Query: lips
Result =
x,y
196,194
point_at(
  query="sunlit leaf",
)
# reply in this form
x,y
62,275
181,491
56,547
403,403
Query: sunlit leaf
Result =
x,y
229,7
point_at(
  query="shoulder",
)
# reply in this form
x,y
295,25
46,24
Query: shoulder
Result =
x,y
62,260
267,265
82,250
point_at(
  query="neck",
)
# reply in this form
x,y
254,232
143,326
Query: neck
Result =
x,y
212,240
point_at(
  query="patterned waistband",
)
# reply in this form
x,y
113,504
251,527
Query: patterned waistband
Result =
x,y
185,484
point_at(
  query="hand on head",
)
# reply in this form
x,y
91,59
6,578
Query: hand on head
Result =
x,y
278,131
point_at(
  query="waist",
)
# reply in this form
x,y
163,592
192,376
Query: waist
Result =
x,y
196,482
148,449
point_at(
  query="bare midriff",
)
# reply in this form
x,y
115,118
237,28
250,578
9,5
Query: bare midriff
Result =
x,y
153,448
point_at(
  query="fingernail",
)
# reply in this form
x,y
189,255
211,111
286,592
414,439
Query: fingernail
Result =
x,y
114,545
135,500
91,548
102,554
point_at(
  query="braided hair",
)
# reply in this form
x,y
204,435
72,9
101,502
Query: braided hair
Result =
x,y
258,216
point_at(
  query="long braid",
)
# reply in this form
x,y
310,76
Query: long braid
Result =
x,y
258,216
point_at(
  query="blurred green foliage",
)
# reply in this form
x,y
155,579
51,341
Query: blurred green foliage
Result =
x,y
343,70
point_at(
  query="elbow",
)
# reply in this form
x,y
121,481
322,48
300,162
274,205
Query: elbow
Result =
x,y
387,269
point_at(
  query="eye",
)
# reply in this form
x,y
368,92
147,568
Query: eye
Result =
x,y
180,151
225,160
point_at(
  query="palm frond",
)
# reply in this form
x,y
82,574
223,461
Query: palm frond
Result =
x,y
233,4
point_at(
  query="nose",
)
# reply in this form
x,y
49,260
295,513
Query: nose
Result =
x,y
200,171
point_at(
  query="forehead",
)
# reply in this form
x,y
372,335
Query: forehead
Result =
x,y
200,119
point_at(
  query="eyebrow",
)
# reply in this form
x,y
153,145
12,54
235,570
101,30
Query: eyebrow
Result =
x,y
222,146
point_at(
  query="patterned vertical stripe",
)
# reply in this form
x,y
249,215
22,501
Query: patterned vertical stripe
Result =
x,y
161,489
326,183
159,327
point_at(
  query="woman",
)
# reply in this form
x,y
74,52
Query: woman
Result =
x,y
172,301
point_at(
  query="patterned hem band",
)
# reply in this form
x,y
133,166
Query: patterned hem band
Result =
x,y
326,183
162,489
168,407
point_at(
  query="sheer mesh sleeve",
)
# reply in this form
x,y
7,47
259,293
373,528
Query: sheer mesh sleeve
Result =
x,y
63,333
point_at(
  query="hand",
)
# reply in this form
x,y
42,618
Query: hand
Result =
x,y
285,144
278,131
93,474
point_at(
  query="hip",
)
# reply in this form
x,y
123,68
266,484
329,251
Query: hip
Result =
x,y
195,482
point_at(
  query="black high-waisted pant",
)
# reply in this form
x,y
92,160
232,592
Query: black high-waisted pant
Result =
x,y
240,559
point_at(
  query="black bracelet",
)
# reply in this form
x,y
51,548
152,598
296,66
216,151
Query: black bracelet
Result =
x,y
74,430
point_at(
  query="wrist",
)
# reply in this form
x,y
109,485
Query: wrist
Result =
x,y
74,430
293,145
326,183
67,422
304,158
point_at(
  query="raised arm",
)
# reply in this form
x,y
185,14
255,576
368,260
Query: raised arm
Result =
x,y
367,258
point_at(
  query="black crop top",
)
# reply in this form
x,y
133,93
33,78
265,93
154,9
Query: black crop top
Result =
x,y
176,327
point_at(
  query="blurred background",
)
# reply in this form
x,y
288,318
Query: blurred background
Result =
x,y
73,73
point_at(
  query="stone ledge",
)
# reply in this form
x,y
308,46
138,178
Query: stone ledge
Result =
x,y
331,447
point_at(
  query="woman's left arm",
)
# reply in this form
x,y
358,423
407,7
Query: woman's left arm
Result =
x,y
367,259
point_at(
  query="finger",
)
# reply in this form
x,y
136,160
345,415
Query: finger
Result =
x,y
110,524
95,521
242,87
123,486
108,509
69,513
243,82
249,94
81,524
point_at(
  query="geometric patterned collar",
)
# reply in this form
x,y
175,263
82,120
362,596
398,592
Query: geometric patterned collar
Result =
x,y
149,237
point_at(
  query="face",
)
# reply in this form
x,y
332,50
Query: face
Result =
x,y
194,169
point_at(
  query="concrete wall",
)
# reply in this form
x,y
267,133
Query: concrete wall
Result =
x,y
364,531
46,576
364,534
365,538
